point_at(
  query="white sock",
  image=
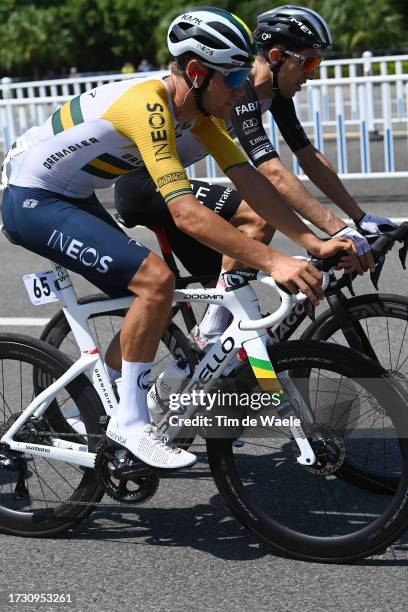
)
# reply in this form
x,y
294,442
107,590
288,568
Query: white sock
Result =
x,y
216,318
133,411
113,374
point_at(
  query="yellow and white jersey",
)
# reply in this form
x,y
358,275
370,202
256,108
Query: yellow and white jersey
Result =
x,y
106,132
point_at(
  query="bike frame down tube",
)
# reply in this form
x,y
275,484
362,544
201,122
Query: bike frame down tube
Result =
x,y
242,303
77,316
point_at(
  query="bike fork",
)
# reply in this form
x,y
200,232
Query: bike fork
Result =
x,y
269,382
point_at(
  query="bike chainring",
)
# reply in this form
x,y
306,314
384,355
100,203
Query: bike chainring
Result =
x,y
123,477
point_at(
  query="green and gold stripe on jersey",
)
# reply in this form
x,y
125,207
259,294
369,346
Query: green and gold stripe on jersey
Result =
x,y
177,193
67,116
107,166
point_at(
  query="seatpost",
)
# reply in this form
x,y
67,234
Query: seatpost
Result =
x,y
166,250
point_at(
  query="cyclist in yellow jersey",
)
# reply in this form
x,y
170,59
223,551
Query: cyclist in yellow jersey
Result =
x,y
291,41
49,204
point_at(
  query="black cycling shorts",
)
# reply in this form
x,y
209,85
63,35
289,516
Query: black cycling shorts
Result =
x,y
139,203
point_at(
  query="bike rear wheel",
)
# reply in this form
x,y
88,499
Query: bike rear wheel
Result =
x,y
39,496
305,512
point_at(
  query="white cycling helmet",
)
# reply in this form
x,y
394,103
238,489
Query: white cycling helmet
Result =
x,y
218,38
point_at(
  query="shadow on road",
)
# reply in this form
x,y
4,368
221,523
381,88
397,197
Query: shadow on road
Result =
x,y
206,527
209,527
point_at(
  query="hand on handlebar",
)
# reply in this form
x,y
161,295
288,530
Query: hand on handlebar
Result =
x,y
298,275
362,259
370,224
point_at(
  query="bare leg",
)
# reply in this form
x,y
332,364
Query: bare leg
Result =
x,y
139,338
216,318
142,329
251,224
146,319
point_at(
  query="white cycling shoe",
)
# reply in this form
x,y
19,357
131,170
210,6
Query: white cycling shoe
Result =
x,y
151,447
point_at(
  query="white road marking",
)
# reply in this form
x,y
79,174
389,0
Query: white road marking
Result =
x,y
24,321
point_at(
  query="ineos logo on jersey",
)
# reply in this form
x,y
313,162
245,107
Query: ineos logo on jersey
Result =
x,y
158,134
87,256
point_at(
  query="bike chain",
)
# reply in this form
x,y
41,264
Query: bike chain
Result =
x,y
113,481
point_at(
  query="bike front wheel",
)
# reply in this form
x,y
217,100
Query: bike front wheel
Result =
x,y
306,512
381,321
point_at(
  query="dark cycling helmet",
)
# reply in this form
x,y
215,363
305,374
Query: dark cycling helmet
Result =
x,y
297,27
219,39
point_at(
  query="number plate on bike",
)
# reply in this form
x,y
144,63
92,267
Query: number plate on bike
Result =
x,y
41,288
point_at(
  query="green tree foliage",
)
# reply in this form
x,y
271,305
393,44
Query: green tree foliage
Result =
x,y
367,24
29,36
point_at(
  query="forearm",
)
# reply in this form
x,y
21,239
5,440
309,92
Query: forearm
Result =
x,y
299,198
320,171
262,196
208,228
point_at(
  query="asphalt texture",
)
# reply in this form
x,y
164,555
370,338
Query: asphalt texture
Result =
x,y
183,550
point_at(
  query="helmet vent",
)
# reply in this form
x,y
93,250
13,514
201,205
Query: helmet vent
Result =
x,y
229,35
185,26
214,44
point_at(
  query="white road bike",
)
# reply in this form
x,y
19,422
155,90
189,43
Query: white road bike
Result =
x,y
283,484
